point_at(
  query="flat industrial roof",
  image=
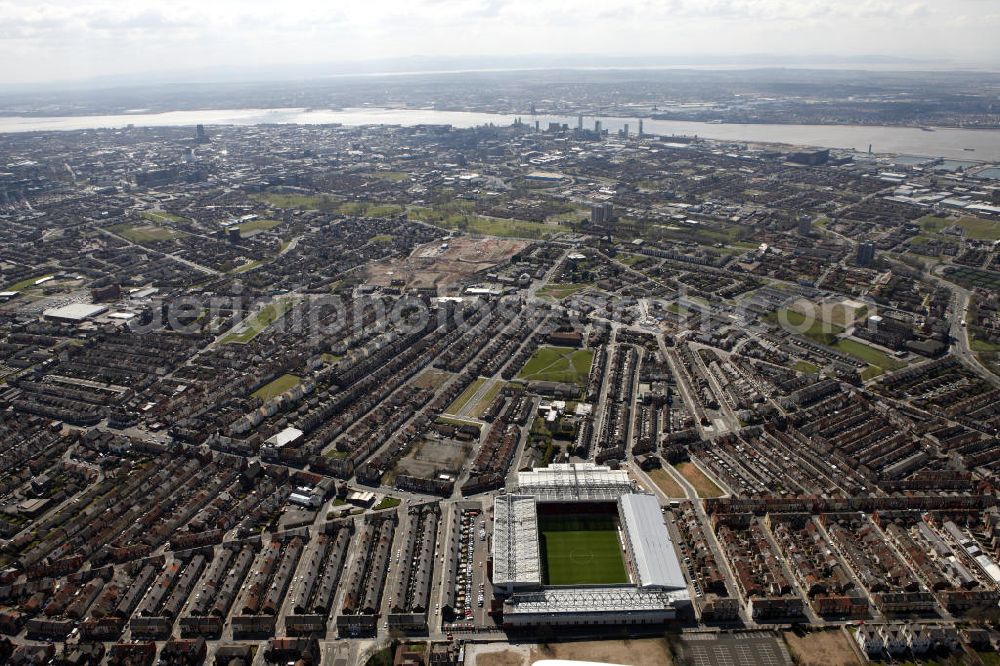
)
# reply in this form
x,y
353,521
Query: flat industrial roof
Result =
x,y
286,436
653,553
75,311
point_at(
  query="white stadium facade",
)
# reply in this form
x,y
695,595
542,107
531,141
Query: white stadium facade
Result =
x,y
656,591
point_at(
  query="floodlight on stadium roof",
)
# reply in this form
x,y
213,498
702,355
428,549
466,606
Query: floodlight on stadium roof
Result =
x,y
580,482
622,598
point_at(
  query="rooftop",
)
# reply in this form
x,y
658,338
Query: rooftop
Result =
x,y
515,542
653,554
574,482
286,436
611,599
75,311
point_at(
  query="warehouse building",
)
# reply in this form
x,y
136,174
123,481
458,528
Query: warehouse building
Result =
x,y
74,313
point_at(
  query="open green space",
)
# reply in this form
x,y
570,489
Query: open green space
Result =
x,y
581,550
462,400
160,216
871,372
631,259
380,238
368,209
259,225
700,234
486,399
989,658
666,482
573,214
249,266
973,278
301,201
561,291
145,233
277,387
387,503
392,176
813,328
327,203
558,364
806,367
867,354
703,485
974,227
461,215
25,284
978,345
431,379
678,309
495,226
258,322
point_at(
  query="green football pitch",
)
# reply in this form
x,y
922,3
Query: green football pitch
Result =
x,y
581,550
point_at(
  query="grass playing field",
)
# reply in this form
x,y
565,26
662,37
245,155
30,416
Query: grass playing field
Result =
x,y
581,550
145,233
558,364
276,387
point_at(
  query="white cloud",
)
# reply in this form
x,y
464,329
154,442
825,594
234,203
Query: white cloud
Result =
x,y
56,39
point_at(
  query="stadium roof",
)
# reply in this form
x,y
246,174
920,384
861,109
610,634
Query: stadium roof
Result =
x,y
653,554
516,560
611,599
574,482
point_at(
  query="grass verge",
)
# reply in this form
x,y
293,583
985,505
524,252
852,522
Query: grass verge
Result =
x,y
665,481
462,400
25,284
703,485
258,322
561,291
388,503
867,354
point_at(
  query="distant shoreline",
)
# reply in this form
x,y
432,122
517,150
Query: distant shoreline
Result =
x,y
944,142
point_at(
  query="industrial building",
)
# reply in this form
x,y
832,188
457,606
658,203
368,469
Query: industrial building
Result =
x,y
74,313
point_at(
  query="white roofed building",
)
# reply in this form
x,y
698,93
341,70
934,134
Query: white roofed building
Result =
x,y
574,482
74,312
516,563
653,558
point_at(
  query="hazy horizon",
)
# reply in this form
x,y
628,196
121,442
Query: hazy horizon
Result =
x,y
60,42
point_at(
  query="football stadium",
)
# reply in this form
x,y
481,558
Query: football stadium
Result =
x,y
576,544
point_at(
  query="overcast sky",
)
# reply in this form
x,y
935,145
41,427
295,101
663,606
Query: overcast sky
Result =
x,y
54,40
